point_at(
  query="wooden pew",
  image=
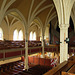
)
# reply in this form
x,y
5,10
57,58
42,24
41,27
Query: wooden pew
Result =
x,y
57,70
63,68
71,71
65,73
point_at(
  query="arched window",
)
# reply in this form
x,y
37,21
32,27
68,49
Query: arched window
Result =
x,y
15,35
34,36
20,35
31,36
1,34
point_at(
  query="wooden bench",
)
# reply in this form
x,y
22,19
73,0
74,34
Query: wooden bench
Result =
x,y
57,70
65,73
71,71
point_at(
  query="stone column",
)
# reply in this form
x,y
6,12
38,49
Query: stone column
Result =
x,y
43,43
47,34
26,50
63,44
8,33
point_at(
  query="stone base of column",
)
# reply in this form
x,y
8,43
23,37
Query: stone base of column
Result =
x,y
26,67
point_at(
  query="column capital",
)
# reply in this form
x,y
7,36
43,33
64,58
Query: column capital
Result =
x,y
64,26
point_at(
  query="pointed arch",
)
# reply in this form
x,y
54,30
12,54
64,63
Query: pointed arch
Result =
x,y
22,18
38,6
42,9
4,8
30,9
41,24
57,4
71,3
48,15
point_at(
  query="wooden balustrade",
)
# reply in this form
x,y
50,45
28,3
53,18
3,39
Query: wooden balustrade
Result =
x,y
12,53
14,49
52,48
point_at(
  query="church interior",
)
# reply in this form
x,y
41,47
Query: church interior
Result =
x,y
37,37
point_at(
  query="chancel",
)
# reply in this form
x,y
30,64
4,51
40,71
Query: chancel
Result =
x,y
37,37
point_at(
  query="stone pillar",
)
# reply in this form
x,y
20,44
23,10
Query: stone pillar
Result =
x,y
47,34
63,44
43,43
26,50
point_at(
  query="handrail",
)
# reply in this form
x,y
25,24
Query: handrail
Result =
x,y
72,69
65,73
56,69
17,49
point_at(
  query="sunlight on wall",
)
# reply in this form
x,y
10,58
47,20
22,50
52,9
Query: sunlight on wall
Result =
x,y
1,34
32,36
17,36
20,35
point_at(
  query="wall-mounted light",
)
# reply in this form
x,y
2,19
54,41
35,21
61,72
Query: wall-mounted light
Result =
x,y
67,40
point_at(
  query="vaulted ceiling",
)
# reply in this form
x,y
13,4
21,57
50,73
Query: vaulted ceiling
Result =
x,y
41,12
44,10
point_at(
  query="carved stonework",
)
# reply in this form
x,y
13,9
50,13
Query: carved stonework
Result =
x,y
64,26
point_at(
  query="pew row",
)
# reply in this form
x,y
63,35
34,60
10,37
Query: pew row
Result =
x,y
57,70
71,70
65,68
65,73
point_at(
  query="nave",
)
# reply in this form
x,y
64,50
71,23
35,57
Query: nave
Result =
x,y
39,34
17,68
38,67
